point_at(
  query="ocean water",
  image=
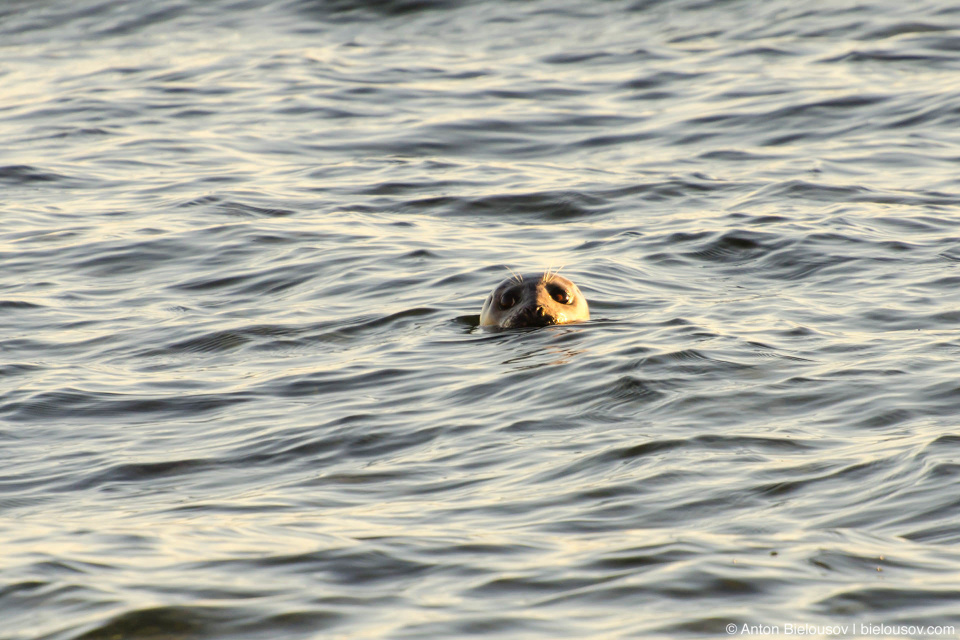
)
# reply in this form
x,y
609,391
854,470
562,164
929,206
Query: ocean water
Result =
x,y
243,393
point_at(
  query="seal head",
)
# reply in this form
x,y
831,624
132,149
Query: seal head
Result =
x,y
534,301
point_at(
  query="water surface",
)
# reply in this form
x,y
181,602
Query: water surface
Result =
x,y
245,243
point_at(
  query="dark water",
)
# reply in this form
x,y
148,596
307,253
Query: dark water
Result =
x,y
245,243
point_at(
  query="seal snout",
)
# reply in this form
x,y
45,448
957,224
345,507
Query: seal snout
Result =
x,y
531,316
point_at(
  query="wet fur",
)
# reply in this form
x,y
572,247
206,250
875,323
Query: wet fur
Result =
x,y
534,304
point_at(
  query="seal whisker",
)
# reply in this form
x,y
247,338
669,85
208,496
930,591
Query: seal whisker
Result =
x,y
550,274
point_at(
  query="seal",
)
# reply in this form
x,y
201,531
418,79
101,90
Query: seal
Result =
x,y
534,301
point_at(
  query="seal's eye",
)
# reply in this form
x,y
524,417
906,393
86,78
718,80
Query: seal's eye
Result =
x,y
561,295
508,299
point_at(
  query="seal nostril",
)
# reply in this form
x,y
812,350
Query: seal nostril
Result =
x,y
540,311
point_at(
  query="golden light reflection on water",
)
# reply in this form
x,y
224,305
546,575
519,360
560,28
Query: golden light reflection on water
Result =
x,y
240,388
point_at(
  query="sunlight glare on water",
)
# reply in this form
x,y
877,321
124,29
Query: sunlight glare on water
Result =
x,y
243,389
